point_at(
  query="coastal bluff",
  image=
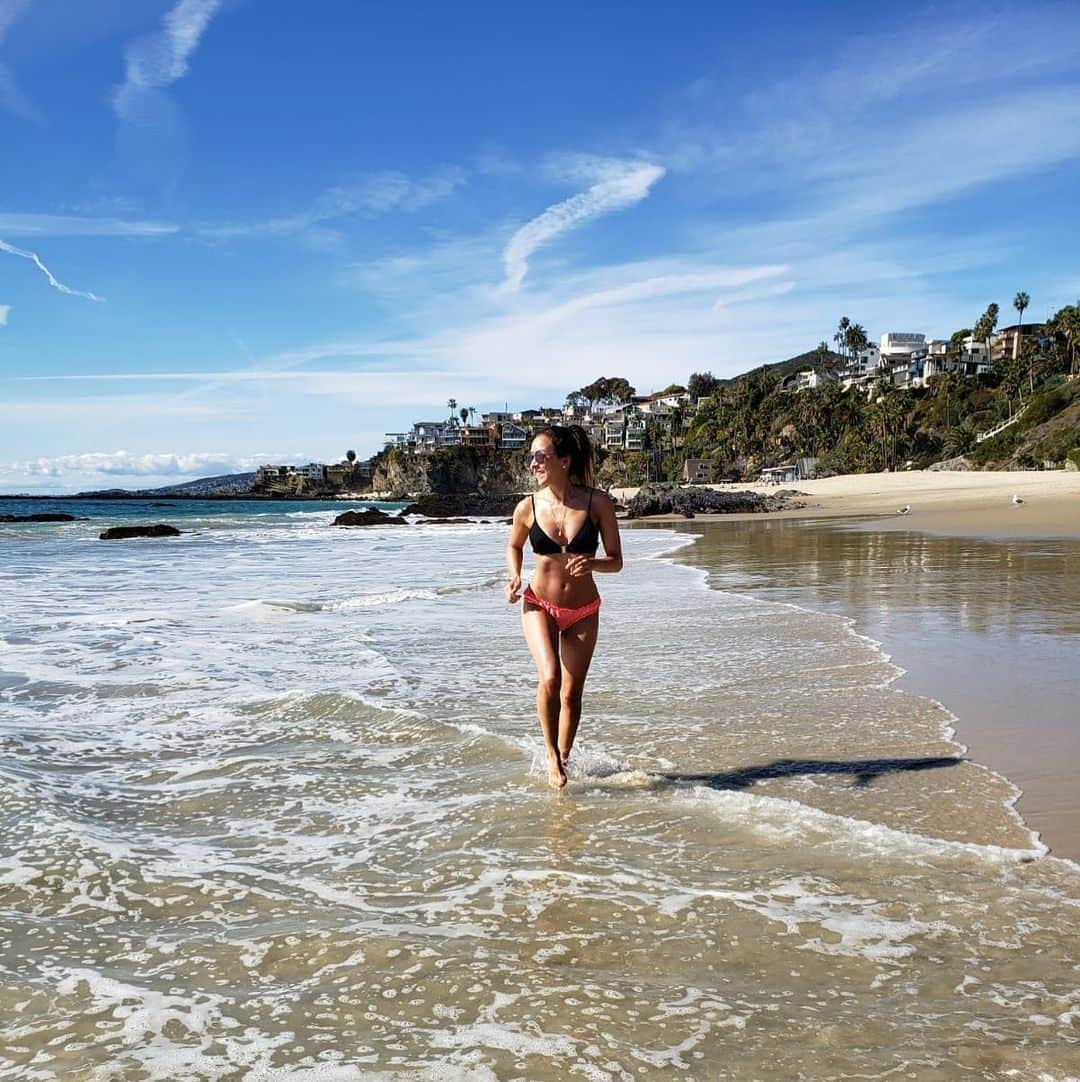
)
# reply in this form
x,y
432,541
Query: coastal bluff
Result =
x,y
450,472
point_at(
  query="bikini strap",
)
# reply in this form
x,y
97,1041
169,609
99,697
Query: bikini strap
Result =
x,y
589,508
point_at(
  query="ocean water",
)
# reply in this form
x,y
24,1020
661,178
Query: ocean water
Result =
x,y
273,807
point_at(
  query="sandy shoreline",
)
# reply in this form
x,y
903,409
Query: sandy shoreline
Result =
x,y
981,619
958,504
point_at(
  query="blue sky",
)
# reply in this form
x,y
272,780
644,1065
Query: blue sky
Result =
x,y
235,231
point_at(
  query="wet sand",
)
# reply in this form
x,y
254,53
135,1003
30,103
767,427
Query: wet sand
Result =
x,y
987,626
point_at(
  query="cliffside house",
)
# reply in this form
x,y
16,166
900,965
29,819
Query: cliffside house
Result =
x,y
635,432
512,436
665,402
975,359
806,379
801,470
863,368
698,471
937,361
479,436
1008,341
290,480
275,479
614,431
780,475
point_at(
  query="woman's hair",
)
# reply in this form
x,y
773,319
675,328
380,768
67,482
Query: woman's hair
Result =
x,y
573,441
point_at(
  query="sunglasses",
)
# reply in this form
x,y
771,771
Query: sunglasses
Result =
x,y
538,456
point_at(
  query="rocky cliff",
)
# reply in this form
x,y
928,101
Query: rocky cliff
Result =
x,y
450,471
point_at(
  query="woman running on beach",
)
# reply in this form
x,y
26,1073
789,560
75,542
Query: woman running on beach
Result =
x,y
564,522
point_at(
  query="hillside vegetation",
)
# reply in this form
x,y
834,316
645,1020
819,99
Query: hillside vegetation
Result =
x,y
747,423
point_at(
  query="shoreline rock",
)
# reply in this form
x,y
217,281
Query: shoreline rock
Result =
x,y
42,517
120,533
461,504
665,499
368,517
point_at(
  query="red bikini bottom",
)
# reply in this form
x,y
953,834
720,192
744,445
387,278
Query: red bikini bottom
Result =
x,y
564,618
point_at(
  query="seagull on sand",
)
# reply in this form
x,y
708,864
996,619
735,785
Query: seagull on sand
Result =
x,y
904,510
1017,499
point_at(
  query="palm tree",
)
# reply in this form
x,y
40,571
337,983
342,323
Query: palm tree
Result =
x,y
959,440
1012,382
472,415
452,405
856,340
1063,330
1020,302
987,324
950,384
808,414
676,426
463,413
840,338
1070,325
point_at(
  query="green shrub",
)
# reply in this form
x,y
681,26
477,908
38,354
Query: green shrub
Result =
x,y
1000,446
1056,446
1043,406
1074,457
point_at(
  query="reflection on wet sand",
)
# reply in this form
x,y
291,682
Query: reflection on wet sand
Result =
x,y
989,628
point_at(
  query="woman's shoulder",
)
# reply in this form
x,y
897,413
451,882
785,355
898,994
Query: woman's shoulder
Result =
x,y
523,507
599,498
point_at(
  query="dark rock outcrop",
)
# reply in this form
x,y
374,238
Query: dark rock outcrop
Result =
x,y
41,518
959,464
119,533
370,516
671,500
459,504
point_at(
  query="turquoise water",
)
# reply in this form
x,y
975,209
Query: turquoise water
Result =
x,y
166,510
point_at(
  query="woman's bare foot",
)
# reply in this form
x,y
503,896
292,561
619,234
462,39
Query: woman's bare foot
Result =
x,y
564,758
556,774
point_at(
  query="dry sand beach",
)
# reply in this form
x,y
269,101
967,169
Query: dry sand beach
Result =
x,y
960,503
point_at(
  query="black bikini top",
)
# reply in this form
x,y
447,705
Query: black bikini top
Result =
x,y
585,541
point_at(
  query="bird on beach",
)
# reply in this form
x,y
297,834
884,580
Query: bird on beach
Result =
x,y
906,509
1017,499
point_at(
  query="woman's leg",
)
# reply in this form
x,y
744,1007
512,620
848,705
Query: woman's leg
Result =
x,y
577,644
542,638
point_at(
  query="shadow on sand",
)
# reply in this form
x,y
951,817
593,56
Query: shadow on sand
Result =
x,y
862,771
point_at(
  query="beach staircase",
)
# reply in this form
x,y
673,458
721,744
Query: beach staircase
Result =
x,y
1002,426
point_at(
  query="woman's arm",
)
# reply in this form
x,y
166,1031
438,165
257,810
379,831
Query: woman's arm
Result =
x,y
515,546
611,561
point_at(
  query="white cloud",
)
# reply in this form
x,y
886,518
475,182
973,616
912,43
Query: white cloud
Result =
x,y
156,60
127,464
706,280
68,225
377,194
33,257
4,309
616,185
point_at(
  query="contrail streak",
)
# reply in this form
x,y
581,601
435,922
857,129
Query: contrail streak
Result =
x,y
33,257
